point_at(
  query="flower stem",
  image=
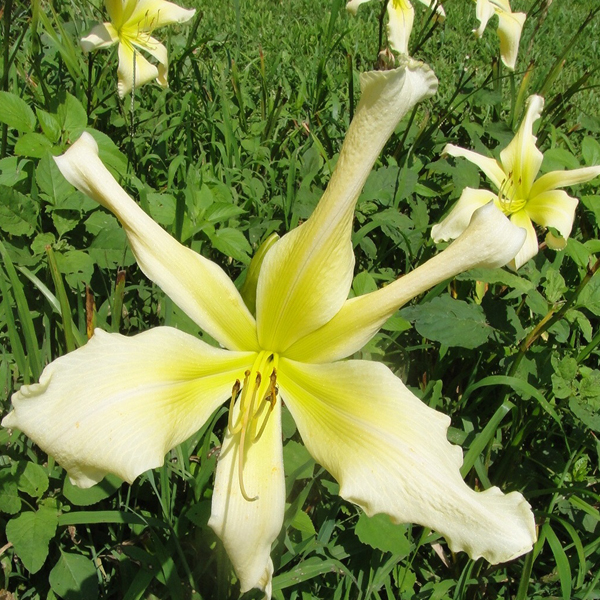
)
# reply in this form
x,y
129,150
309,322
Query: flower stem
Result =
x,y
551,318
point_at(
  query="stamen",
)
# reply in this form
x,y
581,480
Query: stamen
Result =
x,y
246,417
255,400
235,392
271,398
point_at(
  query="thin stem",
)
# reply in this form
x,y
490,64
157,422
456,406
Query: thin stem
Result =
x,y
551,318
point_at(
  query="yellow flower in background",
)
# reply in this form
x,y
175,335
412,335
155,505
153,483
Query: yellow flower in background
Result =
x,y
131,25
118,404
519,195
510,26
401,16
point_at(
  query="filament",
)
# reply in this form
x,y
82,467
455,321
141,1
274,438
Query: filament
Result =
x,y
254,401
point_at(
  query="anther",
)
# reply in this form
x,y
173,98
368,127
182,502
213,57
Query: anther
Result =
x,y
271,398
235,392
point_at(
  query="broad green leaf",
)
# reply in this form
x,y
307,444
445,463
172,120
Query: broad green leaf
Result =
x,y
72,116
379,532
162,208
76,266
50,125
30,534
450,322
74,576
12,170
16,113
110,154
588,413
9,495
565,371
590,296
363,283
220,212
590,149
501,276
557,159
303,523
18,213
51,182
232,242
32,479
298,461
88,496
34,145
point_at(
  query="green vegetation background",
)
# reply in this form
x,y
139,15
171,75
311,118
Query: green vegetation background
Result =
x,y
241,145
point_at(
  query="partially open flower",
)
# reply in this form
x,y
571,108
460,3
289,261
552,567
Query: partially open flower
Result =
x,y
131,25
510,26
401,16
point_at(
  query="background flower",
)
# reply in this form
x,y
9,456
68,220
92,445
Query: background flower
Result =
x,y
131,25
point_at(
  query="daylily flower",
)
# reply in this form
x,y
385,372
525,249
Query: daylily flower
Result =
x,y
119,403
510,26
131,25
401,16
520,196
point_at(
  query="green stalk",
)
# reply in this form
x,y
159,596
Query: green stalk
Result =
x,y
13,335
589,348
31,342
6,66
350,73
117,309
65,307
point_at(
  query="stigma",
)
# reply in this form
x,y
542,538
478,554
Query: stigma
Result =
x,y
252,402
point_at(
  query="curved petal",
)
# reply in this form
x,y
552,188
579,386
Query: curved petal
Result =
x,y
197,285
460,216
510,26
401,16
156,49
101,36
119,11
352,5
530,247
248,528
390,454
151,14
306,276
521,160
559,179
489,166
489,241
484,11
554,208
119,404
133,67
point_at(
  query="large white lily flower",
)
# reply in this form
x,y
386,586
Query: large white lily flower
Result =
x,y
510,26
401,16
120,403
519,195
131,25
